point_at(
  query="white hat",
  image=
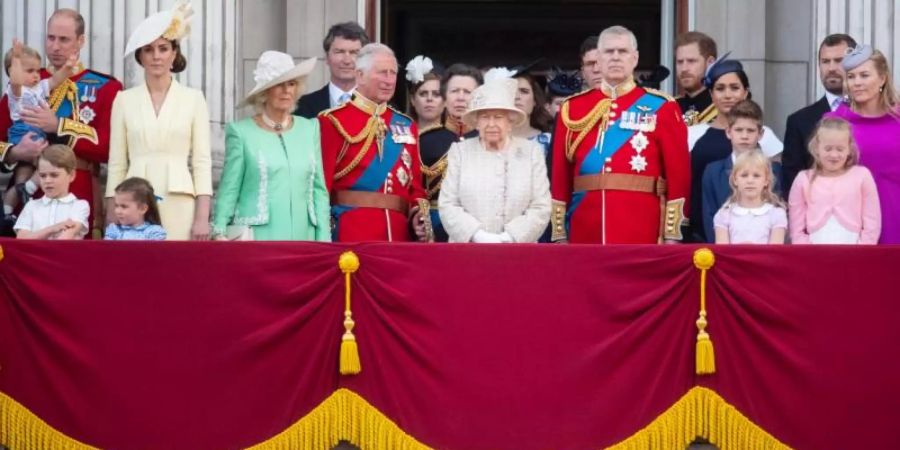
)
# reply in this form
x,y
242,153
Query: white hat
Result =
x,y
173,25
274,68
498,93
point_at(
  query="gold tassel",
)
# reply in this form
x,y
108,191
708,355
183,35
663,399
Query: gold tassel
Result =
x,y
349,363
706,355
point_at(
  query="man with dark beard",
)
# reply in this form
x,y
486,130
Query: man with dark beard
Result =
x,y
801,124
694,53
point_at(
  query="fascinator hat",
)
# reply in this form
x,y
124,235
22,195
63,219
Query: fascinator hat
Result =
x,y
721,67
564,84
856,56
497,93
172,25
274,68
418,67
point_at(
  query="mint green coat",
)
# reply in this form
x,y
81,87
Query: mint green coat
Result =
x,y
277,190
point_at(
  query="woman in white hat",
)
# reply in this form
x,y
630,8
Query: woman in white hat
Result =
x,y
496,187
272,186
160,125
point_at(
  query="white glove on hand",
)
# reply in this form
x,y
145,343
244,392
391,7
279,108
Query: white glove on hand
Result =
x,y
483,237
506,238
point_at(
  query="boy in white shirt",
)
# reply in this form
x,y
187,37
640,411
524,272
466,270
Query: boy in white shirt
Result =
x,y
58,214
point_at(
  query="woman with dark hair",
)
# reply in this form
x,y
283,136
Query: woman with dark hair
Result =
x,y
159,126
457,86
874,114
708,142
531,100
425,103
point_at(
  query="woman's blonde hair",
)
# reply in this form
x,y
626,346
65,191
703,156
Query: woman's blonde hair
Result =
x,y
834,124
754,158
889,99
258,101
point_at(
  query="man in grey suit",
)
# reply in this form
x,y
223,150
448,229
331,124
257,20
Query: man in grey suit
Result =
x,y
341,44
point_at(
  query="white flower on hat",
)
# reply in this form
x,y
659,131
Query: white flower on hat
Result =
x,y
498,73
417,68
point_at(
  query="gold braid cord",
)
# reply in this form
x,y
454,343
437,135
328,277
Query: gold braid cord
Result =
x,y
435,174
367,134
67,90
600,113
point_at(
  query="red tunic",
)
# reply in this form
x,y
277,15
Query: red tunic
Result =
x,y
351,162
616,215
84,106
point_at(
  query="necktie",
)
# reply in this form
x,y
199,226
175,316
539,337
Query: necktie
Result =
x,y
344,98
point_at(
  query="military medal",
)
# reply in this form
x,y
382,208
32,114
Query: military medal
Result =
x,y
639,142
402,176
638,163
86,114
406,158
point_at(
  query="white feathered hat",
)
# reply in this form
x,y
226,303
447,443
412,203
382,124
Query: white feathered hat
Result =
x,y
274,68
173,25
495,93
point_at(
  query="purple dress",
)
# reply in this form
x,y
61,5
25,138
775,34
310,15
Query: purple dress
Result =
x,y
879,151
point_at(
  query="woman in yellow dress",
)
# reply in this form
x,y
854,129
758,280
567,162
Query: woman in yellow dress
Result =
x,y
159,126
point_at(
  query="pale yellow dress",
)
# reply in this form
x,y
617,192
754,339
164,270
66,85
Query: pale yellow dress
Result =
x,y
160,149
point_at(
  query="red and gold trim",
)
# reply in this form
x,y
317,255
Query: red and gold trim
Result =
x,y
558,221
674,219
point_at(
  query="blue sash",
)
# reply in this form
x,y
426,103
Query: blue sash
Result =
x,y
615,136
373,178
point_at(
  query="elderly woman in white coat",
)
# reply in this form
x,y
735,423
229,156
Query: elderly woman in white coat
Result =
x,y
496,188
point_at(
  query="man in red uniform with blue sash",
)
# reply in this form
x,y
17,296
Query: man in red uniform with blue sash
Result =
x,y
370,158
621,167
78,113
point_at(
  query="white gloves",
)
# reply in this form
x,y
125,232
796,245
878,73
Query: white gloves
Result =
x,y
483,237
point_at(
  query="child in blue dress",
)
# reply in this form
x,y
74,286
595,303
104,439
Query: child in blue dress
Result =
x,y
137,215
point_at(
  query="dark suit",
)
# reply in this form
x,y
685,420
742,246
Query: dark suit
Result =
x,y
717,190
310,105
799,129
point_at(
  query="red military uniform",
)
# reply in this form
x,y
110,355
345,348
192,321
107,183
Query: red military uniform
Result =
x,y
621,167
83,104
370,156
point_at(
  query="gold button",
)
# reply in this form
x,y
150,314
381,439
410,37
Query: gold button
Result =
x,y
608,169
558,228
608,159
612,114
614,105
670,229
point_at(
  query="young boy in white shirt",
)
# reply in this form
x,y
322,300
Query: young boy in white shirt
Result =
x,y
58,214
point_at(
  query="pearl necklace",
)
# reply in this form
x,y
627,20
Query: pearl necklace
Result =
x,y
275,125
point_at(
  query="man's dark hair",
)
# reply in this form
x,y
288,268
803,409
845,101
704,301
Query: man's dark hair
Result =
x,y
837,39
350,31
705,43
589,44
460,70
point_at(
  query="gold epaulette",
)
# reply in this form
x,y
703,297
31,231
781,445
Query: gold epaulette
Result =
x,y
582,126
707,115
332,110
659,93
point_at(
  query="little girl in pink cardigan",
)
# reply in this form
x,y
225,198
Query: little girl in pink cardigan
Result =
x,y
835,202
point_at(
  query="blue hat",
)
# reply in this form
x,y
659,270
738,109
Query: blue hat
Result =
x,y
856,56
721,67
564,84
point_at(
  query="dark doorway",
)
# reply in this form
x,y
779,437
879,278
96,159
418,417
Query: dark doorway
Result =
x,y
513,32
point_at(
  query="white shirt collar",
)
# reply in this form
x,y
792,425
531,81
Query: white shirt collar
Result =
x,y
68,198
759,211
833,100
335,93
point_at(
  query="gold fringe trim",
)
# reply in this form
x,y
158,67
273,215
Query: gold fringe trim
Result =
x,y
20,429
701,413
342,416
